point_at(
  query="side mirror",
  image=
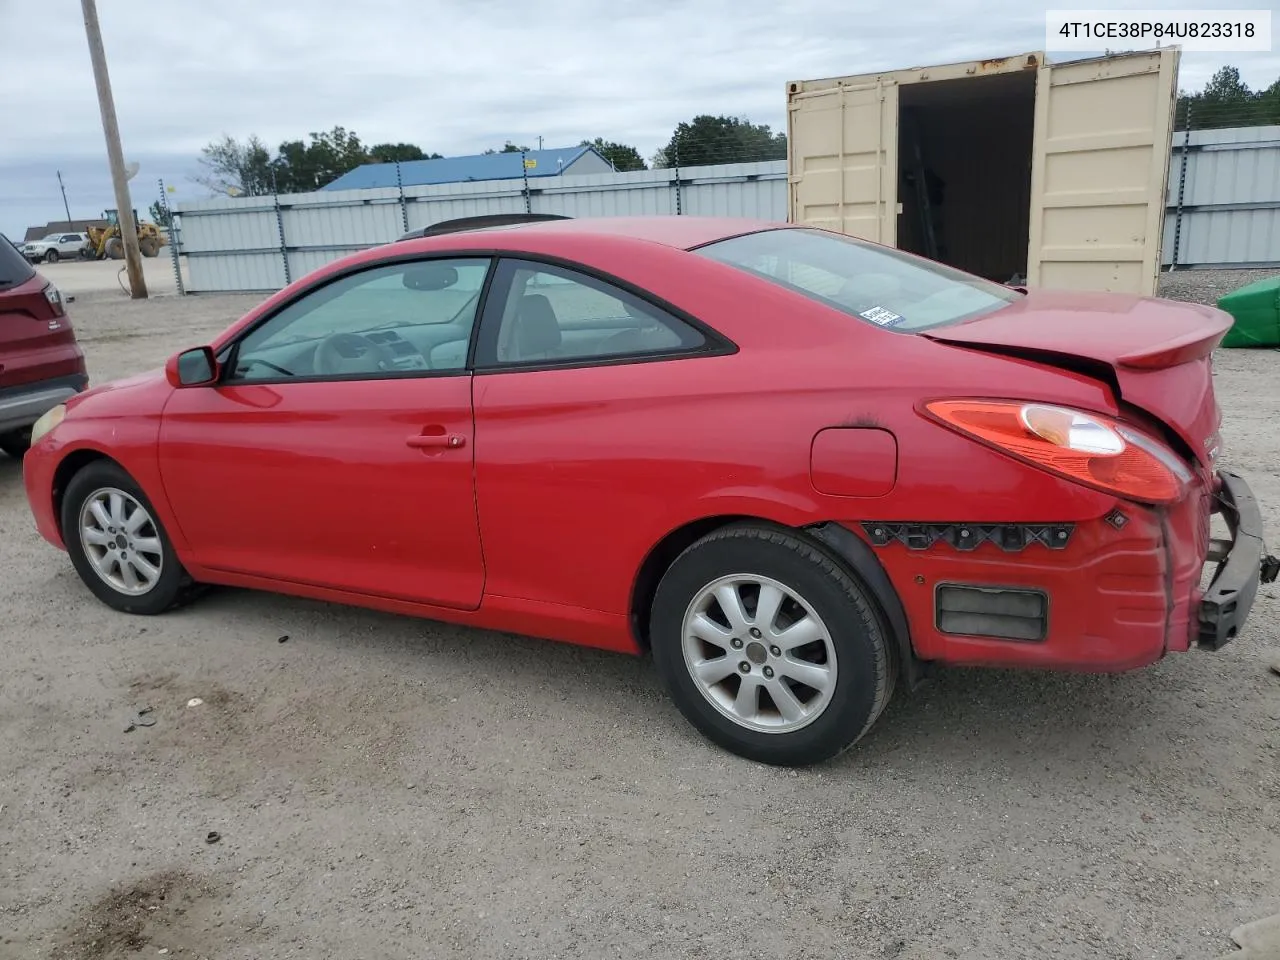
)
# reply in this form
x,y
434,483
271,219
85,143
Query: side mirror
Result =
x,y
192,368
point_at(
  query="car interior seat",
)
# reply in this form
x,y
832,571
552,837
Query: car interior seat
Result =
x,y
537,331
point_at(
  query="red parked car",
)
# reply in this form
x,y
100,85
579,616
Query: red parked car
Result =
x,y
797,467
41,364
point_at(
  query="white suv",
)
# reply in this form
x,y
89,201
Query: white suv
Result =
x,y
54,247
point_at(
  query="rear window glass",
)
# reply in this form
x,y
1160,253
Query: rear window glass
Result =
x,y
14,268
875,284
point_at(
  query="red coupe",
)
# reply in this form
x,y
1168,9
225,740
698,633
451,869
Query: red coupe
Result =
x,y
797,467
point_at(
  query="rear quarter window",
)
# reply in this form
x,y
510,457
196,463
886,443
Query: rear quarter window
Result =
x,y
14,268
877,285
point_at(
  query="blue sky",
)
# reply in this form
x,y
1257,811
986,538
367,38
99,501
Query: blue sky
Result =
x,y
454,76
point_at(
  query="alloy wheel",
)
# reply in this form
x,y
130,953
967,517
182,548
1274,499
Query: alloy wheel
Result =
x,y
121,541
759,652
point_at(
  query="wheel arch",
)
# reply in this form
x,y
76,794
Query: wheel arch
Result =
x,y
68,467
855,554
645,585
841,544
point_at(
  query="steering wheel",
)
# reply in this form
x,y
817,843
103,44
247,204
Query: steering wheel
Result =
x,y
341,353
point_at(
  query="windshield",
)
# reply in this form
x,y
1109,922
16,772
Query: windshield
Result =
x,y
14,268
876,284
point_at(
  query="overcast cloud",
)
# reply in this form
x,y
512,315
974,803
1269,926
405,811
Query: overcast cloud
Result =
x,y
453,76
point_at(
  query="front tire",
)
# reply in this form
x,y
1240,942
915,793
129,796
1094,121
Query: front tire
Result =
x,y
51,257
769,647
118,545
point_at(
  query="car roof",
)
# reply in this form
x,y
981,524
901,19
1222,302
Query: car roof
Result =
x,y
679,232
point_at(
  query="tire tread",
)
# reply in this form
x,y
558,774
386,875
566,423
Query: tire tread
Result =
x,y
183,592
882,647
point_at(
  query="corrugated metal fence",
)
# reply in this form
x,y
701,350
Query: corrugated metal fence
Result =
x,y
263,243
1223,210
1224,199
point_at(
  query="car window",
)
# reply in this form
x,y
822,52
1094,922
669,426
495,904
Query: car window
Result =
x,y
552,314
875,284
14,268
401,318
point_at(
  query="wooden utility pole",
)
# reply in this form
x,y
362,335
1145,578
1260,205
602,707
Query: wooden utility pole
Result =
x,y
65,206
115,155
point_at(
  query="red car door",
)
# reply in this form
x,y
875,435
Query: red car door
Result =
x,y
336,449
577,396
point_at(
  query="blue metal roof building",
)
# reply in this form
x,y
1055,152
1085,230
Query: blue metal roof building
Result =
x,y
488,166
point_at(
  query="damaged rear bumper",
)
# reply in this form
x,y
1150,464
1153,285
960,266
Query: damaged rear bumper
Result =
x,y
1243,564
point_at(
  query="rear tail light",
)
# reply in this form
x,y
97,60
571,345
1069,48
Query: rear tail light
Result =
x,y
54,297
1091,449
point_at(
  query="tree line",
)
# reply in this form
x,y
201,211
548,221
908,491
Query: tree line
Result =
x,y
1227,101
248,168
297,166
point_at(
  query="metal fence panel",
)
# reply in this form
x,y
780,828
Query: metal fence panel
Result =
x,y
229,242
222,230
358,223
1223,210
642,193
754,190
1224,198
235,272
448,201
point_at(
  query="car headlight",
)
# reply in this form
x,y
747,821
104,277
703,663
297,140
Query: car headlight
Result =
x,y
47,422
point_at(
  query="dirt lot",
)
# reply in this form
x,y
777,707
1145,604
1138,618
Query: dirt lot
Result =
x,y
93,277
391,788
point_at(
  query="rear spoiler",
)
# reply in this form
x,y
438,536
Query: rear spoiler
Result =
x,y
479,223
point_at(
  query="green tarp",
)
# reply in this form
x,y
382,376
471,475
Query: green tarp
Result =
x,y
1256,310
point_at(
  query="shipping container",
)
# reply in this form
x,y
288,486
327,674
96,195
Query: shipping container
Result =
x,y
1055,173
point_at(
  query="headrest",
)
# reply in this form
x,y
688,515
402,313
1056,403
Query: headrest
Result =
x,y
537,329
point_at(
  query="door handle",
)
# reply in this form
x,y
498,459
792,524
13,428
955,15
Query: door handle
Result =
x,y
432,440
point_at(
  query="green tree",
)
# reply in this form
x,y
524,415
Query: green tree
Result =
x,y
507,147
1269,105
621,155
399,153
236,168
159,215
709,140
1227,101
301,168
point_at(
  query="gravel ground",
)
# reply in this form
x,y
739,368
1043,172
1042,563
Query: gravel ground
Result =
x,y
1206,286
384,787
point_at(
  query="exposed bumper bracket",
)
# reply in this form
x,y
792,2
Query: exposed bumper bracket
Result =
x,y
1242,568
1010,537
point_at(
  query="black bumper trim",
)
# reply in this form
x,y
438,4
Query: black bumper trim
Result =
x,y
1229,598
23,405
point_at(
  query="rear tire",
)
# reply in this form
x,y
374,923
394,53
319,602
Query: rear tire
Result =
x,y
148,247
118,545
735,671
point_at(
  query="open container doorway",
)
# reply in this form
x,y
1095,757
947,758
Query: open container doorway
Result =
x,y
964,172
1012,168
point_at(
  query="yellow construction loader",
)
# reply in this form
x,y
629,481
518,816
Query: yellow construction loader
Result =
x,y
107,242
